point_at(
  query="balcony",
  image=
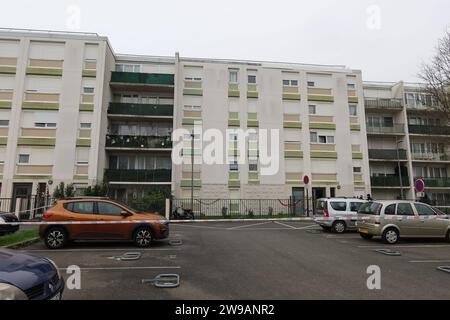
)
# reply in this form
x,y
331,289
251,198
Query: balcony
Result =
x,y
122,175
138,142
394,129
142,81
429,130
379,103
429,156
135,109
387,154
389,181
436,182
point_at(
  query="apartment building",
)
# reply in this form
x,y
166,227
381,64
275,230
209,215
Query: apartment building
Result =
x,y
408,139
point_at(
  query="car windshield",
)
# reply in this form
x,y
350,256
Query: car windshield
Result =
x,y
370,208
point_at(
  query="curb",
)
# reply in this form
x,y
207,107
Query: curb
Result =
x,y
22,243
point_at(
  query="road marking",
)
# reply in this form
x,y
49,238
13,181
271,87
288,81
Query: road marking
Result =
x,y
200,227
307,227
429,261
249,225
409,246
96,250
286,225
330,236
127,268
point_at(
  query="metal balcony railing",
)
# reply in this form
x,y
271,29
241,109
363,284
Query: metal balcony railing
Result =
x,y
389,181
142,78
136,109
395,128
387,154
436,182
138,142
430,156
121,175
380,103
432,130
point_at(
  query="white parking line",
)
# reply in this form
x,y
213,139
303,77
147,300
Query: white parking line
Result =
x,y
429,261
102,250
128,268
249,225
408,246
286,225
200,227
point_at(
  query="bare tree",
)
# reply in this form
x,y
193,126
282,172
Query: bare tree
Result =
x,y
436,75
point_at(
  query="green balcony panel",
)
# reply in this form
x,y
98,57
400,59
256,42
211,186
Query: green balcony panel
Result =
x,y
46,142
323,155
357,155
32,177
291,96
142,78
87,107
379,103
389,181
89,73
157,175
78,177
190,121
353,99
5,104
138,142
192,92
44,71
313,97
252,94
234,184
3,141
85,143
234,94
291,154
252,175
436,182
292,125
355,127
7,70
429,130
325,126
188,183
234,123
386,154
233,86
29,105
252,123
163,110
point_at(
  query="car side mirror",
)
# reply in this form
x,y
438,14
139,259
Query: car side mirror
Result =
x,y
125,214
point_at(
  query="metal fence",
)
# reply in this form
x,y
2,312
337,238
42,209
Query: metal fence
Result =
x,y
241,208
27,208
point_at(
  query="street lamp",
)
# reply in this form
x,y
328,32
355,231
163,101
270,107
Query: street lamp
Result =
x,y
397,142
192,171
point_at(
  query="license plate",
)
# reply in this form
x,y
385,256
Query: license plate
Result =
x,y
363,230
56,296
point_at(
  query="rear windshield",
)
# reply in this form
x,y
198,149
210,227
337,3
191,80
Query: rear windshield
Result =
x,y
370,208
321,204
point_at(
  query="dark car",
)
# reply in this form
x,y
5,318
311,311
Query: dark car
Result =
x,y
9,223
28,277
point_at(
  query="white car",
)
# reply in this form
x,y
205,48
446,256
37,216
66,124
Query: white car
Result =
x,y
337,214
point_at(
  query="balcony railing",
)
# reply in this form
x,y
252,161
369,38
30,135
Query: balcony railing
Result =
x,y
436,182
136,109
138,142
379,103
429,156
121,175
396,128
389,181
433,130
387,154
142,78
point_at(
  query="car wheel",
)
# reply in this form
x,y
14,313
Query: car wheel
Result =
x,y
390,236
447,236
366,236
55,238
339,227
143,237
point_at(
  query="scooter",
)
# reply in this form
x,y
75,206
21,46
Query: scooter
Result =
x,y
182,214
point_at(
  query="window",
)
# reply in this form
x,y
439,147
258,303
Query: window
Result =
x,y
85,125
44,125
424,210
311,84
339,206
352,110
350,86
234,166
357,169
290,83
109,209
192,108
313,137
354,206
88,90
404,209
252,167
128,67
252,79
24,158
370,208
326,139
312,109
81,207
4,123
390,209
233,76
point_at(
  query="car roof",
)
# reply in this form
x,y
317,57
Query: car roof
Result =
x,y
342,199
388,202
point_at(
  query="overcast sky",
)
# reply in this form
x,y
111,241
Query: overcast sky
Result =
x,y
386,39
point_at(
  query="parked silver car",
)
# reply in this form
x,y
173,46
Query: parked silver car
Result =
x,y
392,219
337,214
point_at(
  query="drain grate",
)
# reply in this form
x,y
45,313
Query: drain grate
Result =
x,y
388,252
175,242
128,256
164,281
444,268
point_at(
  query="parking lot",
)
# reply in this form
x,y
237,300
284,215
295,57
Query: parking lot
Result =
x,y
257,260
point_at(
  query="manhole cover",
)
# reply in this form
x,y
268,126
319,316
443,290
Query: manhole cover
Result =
x,y
164,281
444,268
314,231
388,252
175,242
128,256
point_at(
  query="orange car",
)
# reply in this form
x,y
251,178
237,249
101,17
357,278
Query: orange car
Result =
x,y
125,223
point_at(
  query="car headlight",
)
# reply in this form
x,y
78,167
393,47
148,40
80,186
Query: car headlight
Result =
x,y
10,292
54,266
